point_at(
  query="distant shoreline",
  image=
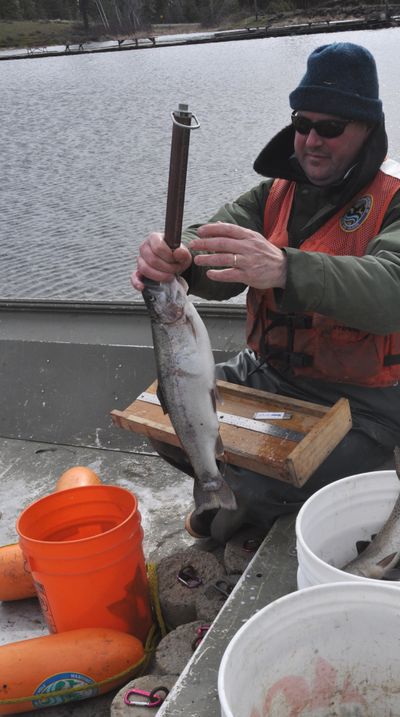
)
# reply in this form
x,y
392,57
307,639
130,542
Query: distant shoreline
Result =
x,y
179,38
39,34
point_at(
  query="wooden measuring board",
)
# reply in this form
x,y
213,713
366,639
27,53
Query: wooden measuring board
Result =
x,y
291,450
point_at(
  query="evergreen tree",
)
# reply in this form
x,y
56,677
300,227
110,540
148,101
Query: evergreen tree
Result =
x,y
10,10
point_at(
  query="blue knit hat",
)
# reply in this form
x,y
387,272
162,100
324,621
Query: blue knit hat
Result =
x,y
342,80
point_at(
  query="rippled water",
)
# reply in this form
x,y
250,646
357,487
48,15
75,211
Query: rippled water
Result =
x,y
85,144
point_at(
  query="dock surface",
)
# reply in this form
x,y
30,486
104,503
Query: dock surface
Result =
x,y
30,469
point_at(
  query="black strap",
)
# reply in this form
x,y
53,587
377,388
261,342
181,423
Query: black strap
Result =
x,y
289,358
292,321
391,360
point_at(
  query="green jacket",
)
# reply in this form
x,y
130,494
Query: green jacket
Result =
x,y
363,293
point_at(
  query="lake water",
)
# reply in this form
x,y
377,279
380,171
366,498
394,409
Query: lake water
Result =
x,y
85,145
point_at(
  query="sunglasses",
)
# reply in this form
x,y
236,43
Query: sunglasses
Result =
x,y
328,128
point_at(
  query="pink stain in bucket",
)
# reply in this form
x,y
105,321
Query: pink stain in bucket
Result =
x,y
323,692
295,691
324,687
254,712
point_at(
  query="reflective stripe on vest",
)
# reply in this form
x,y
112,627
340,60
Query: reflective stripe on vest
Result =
x,y
314,345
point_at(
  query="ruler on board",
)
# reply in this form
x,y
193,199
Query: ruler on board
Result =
x,y
241,422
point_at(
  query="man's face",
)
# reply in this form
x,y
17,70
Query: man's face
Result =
x,y
326,161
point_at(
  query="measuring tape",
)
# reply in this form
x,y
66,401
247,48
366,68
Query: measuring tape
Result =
x,y
240,422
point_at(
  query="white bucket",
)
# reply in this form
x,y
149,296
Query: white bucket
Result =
x,y
326,651
331,522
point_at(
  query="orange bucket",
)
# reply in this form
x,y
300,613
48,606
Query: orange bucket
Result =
x,y
84,550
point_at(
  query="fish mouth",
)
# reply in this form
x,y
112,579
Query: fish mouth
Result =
x,y
175,315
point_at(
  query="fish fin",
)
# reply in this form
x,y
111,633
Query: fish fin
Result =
x,y
222,497
382,567
191,325
213,396
397,460
161,398
182,282
393,574
388,560
362,545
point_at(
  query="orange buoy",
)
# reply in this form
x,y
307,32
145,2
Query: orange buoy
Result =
x,y
73,665
15,579
77,476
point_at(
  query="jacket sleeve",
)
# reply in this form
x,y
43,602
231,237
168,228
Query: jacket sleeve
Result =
x,y
359,292
246,211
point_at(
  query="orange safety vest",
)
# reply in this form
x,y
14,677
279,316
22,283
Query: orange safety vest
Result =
x,y
314,345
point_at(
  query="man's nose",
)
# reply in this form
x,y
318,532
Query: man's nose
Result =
x,y
313,138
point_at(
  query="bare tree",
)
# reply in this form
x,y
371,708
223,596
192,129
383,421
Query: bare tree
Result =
x,y
84,10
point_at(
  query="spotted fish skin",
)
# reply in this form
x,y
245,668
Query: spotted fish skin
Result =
x,y
383,552
186,387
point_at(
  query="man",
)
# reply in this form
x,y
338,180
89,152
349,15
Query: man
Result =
x,y
318,245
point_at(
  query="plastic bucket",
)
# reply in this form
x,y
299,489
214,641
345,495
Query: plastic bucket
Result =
x,y
326,651
84,550
333,519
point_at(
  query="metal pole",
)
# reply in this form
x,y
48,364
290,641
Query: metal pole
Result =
x,y
182,124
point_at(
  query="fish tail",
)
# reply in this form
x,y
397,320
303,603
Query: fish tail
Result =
x,y
220,497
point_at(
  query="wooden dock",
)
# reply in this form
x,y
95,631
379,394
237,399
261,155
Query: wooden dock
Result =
x,y
250,33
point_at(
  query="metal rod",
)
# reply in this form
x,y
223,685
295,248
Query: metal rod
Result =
x,y
182,124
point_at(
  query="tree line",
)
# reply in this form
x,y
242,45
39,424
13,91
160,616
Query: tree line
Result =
x,y
132,15
117,12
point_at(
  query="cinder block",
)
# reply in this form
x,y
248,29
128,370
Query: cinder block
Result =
x,y
241,548
177,599
213,595
175,649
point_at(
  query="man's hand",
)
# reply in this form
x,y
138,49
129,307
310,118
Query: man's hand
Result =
x,y
158,262
251,259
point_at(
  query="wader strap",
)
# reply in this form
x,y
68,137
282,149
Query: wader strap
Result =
x,y
391,360
288,357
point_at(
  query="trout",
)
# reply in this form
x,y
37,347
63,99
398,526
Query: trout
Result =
x,y
186,387
383,552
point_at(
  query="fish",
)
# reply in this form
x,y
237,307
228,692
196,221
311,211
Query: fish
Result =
x,y
383,552
187,387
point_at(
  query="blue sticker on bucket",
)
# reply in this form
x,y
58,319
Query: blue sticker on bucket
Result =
x,y
64,681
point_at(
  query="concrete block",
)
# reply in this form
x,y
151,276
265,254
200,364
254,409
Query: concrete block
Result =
x,y
241,548
147,683
213,595
177,600
175,649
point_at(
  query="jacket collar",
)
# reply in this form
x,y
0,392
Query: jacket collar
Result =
x,y
277,160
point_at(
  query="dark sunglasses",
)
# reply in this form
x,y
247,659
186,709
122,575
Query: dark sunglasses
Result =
x,y
328,128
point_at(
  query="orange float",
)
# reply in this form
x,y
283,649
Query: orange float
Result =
x,y
77,476
15,579
74,665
